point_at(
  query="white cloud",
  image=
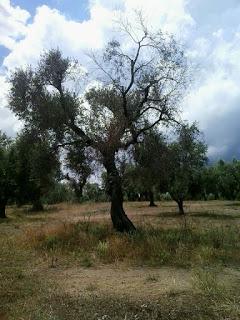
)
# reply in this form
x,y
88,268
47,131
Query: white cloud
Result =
x,y
8,123
51,29
3,92
170,15
215,100
13,23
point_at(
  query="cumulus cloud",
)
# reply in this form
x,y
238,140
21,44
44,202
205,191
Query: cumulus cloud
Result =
x,y
8,123
13,24
50,28
215,99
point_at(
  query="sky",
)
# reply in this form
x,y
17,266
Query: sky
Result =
x,y
209,31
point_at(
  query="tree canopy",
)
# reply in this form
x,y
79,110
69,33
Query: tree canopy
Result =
x,y
187,156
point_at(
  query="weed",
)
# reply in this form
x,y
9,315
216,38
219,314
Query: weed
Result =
x,y
86,262
151,278
207,281
102,249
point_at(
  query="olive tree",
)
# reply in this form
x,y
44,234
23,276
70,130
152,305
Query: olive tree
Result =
x,y
7,173
138,82
151,156
186,158
78,163
37,167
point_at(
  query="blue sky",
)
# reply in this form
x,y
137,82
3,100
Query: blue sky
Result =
x,y
209,30
73,9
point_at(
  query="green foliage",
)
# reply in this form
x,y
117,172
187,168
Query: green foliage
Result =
x,y
187,156
222,180
7,172
151,156
78,163
93,192
37,167
59,192
166,196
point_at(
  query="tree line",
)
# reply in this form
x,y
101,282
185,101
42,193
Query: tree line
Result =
x,y
31,172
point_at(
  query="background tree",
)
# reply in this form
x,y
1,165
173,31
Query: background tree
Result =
x,y
227,175
7,173
59,192
36,170
150,156
141,81
187,156
221,180
94,192
78,163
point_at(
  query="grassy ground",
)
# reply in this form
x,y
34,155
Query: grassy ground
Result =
x,y
68,263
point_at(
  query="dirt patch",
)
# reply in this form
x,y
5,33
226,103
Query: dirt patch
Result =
x,y
133,283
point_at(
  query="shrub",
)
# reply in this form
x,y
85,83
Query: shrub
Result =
x,y
166,196
210,197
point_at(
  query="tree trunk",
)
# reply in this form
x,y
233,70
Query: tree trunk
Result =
x,y
114,189
151,199
3,210
78,190
77,186
37,205
180,207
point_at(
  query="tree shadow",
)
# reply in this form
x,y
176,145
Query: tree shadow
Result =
x,y
233,204
165,214
215,216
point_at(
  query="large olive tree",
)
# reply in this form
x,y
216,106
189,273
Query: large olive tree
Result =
x,y
138,83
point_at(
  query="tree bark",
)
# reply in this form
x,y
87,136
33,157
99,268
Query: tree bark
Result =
x,y
180,207
151,199
3,210
114,189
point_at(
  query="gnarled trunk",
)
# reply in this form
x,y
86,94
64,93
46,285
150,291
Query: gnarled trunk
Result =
x,y
151,199
180,207
3,210
114,189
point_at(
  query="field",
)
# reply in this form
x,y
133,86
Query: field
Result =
x,y
68,263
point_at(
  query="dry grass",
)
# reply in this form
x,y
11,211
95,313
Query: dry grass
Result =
x,y
153,246
68,263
